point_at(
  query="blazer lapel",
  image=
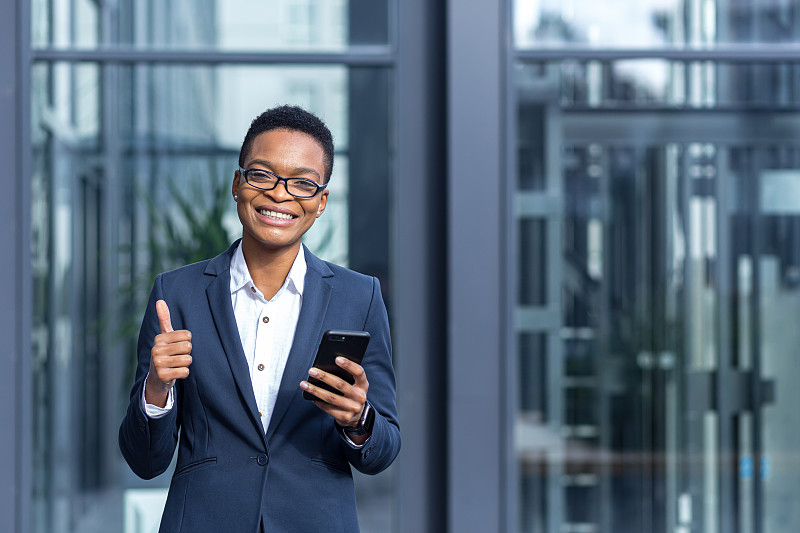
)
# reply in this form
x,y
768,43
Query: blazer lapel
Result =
x,y
219,301
316,296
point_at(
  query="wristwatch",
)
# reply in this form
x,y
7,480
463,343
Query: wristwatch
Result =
x,y
365,423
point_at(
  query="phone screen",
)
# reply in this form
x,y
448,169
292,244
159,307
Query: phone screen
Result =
x,y
335,343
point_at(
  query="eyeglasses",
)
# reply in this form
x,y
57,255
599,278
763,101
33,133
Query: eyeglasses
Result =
x,y
266,180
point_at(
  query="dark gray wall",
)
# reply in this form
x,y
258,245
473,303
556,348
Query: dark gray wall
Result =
x,y
418,262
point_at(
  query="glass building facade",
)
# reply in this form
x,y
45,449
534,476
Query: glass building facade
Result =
x,y
585,217
655,207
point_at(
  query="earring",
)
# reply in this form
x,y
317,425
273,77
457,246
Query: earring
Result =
x,y
235,197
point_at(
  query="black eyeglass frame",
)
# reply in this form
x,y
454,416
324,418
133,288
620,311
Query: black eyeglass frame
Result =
x,y
245,171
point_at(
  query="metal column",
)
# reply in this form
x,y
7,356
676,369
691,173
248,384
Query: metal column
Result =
x,y
476,253
15,310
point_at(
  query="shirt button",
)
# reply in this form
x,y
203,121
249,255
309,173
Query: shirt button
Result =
x,y
265,319
261,367
253,289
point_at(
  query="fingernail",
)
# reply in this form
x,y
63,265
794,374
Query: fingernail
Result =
x,y
313,372
340,360
304,385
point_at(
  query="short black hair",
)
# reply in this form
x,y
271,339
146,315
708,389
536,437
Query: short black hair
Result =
x,y
290,118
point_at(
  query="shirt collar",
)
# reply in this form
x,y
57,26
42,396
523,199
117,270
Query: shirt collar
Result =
x,y
240,275
297,274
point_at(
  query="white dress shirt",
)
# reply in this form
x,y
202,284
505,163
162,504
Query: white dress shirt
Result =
x,y
266,328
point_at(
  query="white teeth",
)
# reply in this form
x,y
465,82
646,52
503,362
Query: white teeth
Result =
x,y
275,214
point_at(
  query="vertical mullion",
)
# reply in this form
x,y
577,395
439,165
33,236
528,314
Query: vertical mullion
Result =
x,y
556,412
511,244
759,161
15,313
693,438
728,443
111,203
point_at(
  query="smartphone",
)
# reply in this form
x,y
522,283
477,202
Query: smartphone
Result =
x,y
335,343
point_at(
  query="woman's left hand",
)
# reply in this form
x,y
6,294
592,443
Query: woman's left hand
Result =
x,y
347,408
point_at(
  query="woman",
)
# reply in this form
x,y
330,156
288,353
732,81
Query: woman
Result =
x,y
226,346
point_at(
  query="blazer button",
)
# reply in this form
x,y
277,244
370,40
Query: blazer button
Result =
x,y
262,459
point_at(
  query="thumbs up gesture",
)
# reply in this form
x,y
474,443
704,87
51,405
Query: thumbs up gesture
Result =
x,y
169,359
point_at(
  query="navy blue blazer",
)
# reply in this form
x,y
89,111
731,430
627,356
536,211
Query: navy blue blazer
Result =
x,y
230,475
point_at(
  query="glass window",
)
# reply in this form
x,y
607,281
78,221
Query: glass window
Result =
x,y
654,83
656,233
132,176
651,23
285,25
777,293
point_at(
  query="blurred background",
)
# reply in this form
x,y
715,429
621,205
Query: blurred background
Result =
x,y
585,216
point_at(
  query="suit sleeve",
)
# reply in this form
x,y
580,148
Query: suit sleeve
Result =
x,y
383,445
148,444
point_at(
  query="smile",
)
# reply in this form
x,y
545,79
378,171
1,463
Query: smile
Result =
x,y
275,214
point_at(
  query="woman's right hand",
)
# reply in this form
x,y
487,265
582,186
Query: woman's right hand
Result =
x,y
169,359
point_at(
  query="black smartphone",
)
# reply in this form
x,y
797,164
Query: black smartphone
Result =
x,y
335,343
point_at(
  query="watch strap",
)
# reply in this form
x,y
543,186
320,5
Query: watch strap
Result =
x,y
365,423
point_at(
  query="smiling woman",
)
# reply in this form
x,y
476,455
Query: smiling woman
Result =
x,y
270,300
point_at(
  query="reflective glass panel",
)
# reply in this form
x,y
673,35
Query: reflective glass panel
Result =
x,y
656,251
133,168
777,293
652,23
654,83
283,25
